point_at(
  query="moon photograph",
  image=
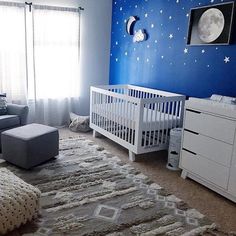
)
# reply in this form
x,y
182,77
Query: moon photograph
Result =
x,y
211,25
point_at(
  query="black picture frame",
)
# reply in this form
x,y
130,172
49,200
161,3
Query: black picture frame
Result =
x,y
224,38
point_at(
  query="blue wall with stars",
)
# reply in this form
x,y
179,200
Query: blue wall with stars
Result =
x,y
164,61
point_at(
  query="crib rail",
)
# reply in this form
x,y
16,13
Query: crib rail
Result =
x,y
137,91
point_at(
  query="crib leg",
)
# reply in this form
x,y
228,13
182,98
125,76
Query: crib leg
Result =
x,y
96,134
132,156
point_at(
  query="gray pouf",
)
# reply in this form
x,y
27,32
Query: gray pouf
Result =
x,y
30,145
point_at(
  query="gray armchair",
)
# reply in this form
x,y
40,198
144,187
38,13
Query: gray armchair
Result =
x,y
16,116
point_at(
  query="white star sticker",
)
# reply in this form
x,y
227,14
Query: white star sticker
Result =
x,y
227,59
171,36
152,25
126,53
161,11
170,17
203,51
185,50
146,15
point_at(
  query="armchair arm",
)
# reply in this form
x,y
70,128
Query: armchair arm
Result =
x,y
20,110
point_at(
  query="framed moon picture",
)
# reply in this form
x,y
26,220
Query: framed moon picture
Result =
x,y
211,25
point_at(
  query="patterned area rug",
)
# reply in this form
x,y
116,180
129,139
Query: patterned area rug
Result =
x,y
88,191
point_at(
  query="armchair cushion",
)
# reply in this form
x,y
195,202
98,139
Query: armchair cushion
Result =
x,y
19,110
9,121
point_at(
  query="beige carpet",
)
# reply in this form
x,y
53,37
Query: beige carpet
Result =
x,y
211,204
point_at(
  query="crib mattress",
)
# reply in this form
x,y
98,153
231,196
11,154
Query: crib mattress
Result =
x,y
125,114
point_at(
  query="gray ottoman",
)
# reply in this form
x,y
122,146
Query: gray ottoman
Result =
x,y
30,145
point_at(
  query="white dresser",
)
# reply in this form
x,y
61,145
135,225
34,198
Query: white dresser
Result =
x,y
208,152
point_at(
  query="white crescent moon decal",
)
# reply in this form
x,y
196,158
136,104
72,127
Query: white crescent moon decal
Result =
x,y
130,25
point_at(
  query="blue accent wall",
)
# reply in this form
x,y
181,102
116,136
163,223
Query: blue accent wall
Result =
x,y
164,61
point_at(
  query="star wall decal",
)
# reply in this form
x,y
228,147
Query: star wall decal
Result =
x,y
185,50
227,60
171,36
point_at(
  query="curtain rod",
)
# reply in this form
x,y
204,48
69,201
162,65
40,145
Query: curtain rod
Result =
x,y
30,6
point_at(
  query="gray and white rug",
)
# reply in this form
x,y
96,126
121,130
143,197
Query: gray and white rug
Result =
x,y
88,191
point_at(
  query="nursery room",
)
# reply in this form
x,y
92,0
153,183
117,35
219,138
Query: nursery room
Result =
x,y
117,117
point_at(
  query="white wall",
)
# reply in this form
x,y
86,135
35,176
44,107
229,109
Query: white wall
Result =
x,y
95,43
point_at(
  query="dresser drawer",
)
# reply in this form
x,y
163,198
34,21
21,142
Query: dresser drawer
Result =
x,y
209,125
212,149
206,169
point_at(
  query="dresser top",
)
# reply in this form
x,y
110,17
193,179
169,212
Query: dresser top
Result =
x,y
214,107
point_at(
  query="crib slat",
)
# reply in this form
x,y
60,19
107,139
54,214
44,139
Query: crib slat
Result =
x,y
133,124
113,116
146,124
155,119
159,124
163,125
150,124
178,114
96,103
168,118
172,114
119,117
126,119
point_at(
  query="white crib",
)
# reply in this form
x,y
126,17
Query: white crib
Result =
x,y
138,118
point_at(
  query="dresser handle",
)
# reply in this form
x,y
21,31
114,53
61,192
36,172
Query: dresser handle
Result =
x,y
190,151
190,131
190,110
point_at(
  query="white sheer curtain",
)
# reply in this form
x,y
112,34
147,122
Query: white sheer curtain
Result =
x,y
54,85
12,52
